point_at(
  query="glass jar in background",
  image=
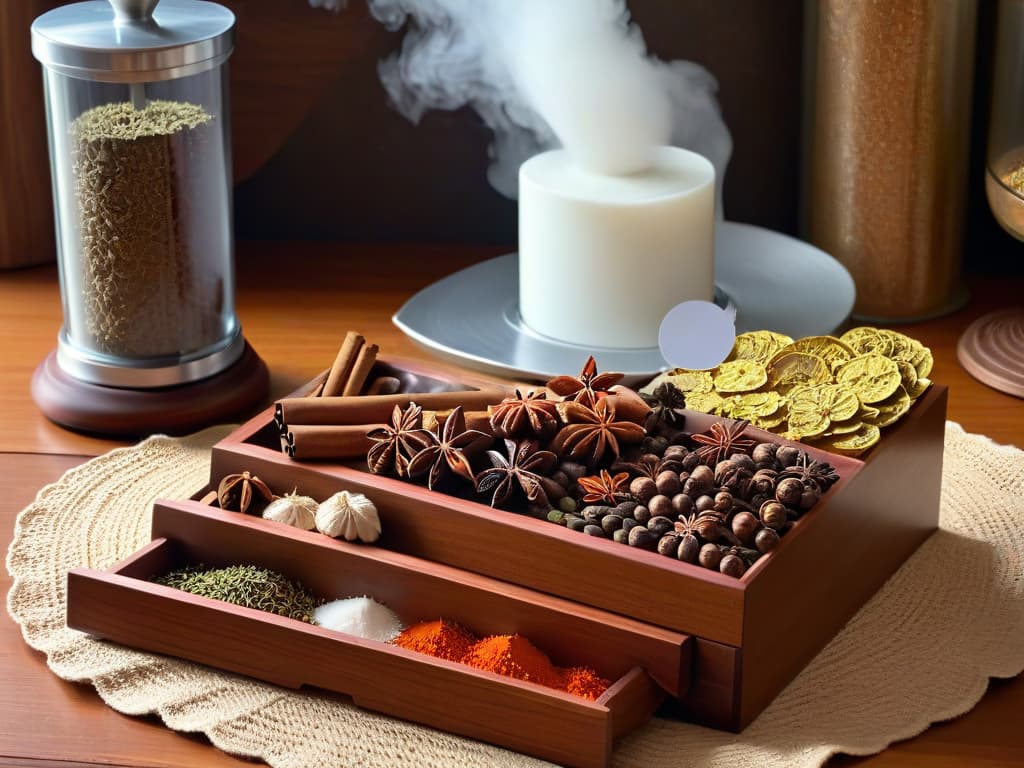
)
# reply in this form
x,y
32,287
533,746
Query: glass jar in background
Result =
x,y
888,119
139,129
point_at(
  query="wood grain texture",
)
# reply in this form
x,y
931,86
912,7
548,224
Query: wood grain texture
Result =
x,y
295,301
26,207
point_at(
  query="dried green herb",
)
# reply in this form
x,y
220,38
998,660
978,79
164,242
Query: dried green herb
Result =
x,y
248,586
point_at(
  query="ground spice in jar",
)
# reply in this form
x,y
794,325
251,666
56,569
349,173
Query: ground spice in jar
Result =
x,y
441,639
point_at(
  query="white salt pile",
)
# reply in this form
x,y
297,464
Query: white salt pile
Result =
x,y
359,616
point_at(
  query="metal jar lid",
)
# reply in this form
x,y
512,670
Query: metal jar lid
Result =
x,y
132,41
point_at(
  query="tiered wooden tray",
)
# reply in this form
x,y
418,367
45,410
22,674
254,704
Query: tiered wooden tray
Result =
x,y
721,648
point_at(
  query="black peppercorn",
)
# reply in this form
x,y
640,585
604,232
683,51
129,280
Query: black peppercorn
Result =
x,y
660,506
745,526
704,503
682,504
668,544
668,483
643,489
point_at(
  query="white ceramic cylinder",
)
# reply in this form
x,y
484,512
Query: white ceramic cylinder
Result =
x,y
602,259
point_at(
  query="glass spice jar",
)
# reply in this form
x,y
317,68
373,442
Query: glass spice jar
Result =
x,y
139,131
888,117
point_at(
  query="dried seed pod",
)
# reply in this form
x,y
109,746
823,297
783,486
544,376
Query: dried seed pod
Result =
x,y
349,515
621,536
574,523
594,512
611,523
773,515
682,504
567,504
703,477
642,538
789,491
689,548
641,514
594,530
643,489
745,526
787,455
766,540
668,483
625,508
573,470
660,506
678,452
704,503
809,497
732,565
710,556
762,482
293,509
691,461
668,544
629,523
764,453
660,525
723,501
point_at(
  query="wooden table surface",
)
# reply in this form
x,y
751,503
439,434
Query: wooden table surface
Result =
x,y
295,302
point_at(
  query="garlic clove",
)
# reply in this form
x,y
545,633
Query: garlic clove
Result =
x,y
349,515
293,509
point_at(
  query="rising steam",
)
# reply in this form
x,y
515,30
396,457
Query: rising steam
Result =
x,y
549,73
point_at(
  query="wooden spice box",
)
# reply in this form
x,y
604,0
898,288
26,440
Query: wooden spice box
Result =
x,y
123,605
751,635
748,637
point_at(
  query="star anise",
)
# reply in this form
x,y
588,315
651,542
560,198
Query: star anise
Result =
x,y
589,434
649,465
707,525
722,442
667,402
604,487
532,414
811,472
524,468
235,492
448,453
588,388
395,444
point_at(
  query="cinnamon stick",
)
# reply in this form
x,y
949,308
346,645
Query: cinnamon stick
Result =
x,y
360,370
478,420
317,441
373,409
341,370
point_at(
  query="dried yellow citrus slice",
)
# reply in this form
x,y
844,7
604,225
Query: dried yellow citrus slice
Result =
x,y
758,345
923,361
908,374
843,427
740,376
872,377
691,381
853,443
772,422
865,340
754,405
802,424
890,409
828,348
706,402
791,369
833,401
919,388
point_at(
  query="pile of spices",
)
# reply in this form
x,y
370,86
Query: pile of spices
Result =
x,y
246,585
510,655
359,616
441,639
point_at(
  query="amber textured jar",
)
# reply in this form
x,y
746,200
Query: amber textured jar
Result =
x,y
889,104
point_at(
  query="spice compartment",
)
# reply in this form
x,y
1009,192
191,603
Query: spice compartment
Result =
x,y
751,635
123,605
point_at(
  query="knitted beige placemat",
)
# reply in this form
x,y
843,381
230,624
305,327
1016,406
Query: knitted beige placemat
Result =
x,y
920,651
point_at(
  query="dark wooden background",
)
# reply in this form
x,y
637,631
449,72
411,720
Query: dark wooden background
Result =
x,y
320,155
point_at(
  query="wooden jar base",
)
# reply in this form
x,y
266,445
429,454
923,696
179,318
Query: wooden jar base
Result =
x,y
86,407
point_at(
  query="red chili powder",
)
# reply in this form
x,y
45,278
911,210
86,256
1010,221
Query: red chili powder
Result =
x,y
510,655
442,639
